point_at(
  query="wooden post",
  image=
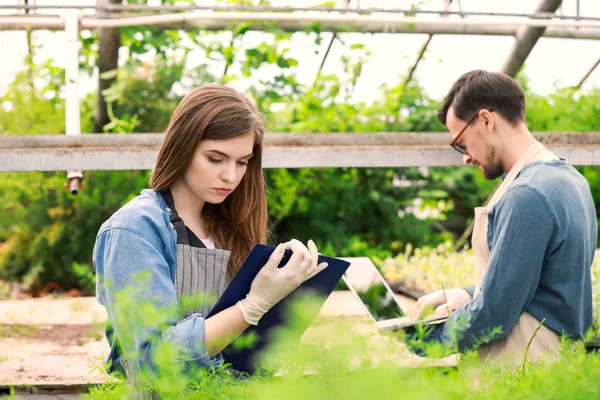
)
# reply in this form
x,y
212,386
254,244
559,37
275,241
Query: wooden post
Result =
x,y
108,58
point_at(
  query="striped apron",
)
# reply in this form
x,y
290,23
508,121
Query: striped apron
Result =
x,y
200,279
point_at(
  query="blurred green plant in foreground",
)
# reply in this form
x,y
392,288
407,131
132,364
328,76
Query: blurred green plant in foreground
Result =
x,y
347,359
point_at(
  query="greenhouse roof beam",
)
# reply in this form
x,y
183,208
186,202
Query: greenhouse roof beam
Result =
x,y
526,38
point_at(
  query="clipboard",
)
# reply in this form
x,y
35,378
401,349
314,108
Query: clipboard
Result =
x,y
321,285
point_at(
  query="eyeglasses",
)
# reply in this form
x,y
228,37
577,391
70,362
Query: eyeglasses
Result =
x,y
459,147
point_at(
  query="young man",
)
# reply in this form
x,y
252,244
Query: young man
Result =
x,y
533,243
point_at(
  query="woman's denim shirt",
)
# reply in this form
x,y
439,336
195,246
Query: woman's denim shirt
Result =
x,y
135,261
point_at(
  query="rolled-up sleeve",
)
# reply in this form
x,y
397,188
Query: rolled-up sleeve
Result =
x,y
520,229
470,289
134,284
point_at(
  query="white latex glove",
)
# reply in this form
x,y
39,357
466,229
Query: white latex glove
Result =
x,y
272,284
443,303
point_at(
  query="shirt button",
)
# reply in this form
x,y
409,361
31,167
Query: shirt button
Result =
x,y
171,225
168,209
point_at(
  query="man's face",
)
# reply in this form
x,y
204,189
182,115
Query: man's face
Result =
x,y
475,140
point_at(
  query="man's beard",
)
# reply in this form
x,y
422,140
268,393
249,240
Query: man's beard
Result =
x,y
493,168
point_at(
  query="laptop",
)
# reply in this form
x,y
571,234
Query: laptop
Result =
x,y
368,285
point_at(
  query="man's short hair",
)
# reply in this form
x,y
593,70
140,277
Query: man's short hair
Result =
x,y
479,89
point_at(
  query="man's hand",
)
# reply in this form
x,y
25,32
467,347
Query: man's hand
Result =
x,y
442,302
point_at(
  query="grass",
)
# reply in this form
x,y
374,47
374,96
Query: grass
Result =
x,y
342,359
358,369
18,331
346,360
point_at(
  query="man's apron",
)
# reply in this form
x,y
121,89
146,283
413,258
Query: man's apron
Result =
x,y
511,348
201,275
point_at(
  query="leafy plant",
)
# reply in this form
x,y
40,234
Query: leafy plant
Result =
x,y
375,212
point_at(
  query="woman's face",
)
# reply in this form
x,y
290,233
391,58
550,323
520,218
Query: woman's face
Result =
x,y
218,167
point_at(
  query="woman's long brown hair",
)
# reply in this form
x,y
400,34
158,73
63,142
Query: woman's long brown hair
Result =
x,y
216,112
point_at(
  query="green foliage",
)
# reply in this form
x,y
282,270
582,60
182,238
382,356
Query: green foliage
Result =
x,y
375,212
332,206
46,235
129,108
428,269
27,107
44,230
86,278
47,229
568,110
347,359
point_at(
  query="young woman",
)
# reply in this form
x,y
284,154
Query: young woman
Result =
x,y
178,244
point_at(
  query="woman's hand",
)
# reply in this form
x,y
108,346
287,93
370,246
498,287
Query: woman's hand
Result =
x,y
272,284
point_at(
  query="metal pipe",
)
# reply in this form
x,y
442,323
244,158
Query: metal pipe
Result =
x,y
43,7
324,18
124,152
389,22
358,10
587,75
274,157
37,22
419,57
72,107
333,38
526,37
102,141
72,110
218,22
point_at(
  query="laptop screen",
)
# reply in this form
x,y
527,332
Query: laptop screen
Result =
x,y
366,282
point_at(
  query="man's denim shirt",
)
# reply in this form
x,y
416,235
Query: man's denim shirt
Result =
x,y
542,238
138,238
